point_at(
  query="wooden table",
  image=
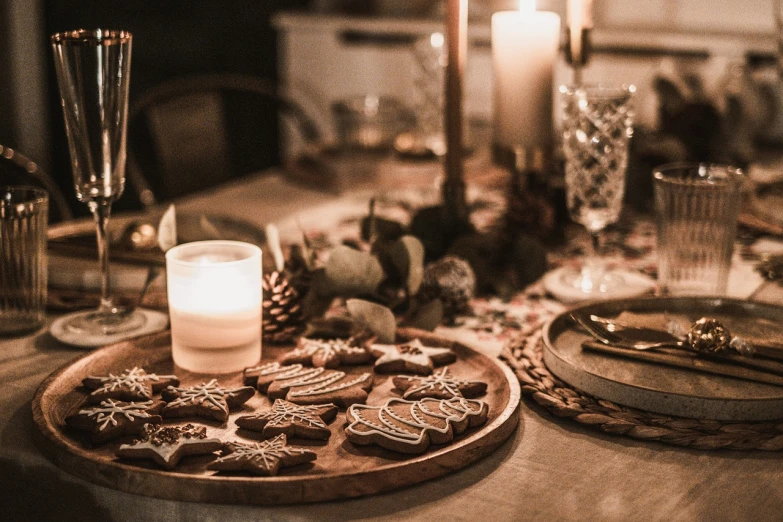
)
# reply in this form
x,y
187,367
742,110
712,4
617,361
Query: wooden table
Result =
x,y
550,469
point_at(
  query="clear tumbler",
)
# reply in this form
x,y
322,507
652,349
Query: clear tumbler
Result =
x,y
696,206
24,214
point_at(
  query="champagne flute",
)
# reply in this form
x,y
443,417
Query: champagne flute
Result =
x,y
93,73
597,126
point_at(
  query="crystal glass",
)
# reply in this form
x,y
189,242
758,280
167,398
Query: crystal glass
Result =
x,y
23,218
697,206
93,73
597,126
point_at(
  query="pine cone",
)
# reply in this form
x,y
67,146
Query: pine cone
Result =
x,y
282,319
452,280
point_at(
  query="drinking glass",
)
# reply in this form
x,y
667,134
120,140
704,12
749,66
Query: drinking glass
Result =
x,y
597,126
697,206
93,73
24,213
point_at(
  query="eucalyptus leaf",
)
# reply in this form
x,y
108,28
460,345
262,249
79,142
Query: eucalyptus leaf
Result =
x,y
350,272
167,229
316,301
429,316
408,257
376,318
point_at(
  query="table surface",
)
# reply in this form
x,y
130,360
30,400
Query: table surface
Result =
x,y
550,469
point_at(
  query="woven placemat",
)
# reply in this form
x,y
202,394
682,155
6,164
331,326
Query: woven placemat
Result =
x,y
524,354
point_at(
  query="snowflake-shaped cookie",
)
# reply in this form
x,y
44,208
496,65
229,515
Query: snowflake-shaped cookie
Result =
x,y
439,385
261,458
130,385
327,353
308,422
167,445
411,357
112,419
209,400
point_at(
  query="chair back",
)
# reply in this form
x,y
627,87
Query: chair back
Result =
x,y
195,132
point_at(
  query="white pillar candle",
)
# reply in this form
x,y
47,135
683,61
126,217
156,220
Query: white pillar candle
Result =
x,y
214,294
524,49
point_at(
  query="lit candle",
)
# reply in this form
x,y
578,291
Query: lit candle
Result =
x,y
524,49
214,294
579,19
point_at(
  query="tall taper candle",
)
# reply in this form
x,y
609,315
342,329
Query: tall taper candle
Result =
x,y
454,203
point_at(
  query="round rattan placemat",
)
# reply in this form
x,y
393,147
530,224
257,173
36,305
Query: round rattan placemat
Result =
x,y
524,354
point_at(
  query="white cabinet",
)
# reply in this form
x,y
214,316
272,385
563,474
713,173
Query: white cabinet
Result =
x,y
326,58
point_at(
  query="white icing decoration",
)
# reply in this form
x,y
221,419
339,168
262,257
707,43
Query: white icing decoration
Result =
x,y
459,406
211,392
440,380
284,411
330,348
134,379
104,414
265,452
325,384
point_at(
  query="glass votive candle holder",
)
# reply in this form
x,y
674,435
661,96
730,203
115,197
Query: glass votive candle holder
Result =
x,y
214,293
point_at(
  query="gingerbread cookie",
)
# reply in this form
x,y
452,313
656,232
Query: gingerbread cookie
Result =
x,y
327,353
439,385
262,376
411,426
321,386
411,357
208,400
308,422
113,419
130,385
167,445
261,458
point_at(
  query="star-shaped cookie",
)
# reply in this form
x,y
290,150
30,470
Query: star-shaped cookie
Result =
x,y
130,385
167,445
439,385
308,422
411,357
327,353
113,419
261,458
208,400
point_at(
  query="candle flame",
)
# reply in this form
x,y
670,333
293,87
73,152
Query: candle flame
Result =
x,y
527,6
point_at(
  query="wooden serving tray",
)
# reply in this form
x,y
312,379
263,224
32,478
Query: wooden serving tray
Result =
x,y
341,470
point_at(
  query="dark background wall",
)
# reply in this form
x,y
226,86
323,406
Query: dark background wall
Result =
x,y
172,38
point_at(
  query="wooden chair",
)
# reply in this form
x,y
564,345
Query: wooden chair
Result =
x,y
17,169
195,132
